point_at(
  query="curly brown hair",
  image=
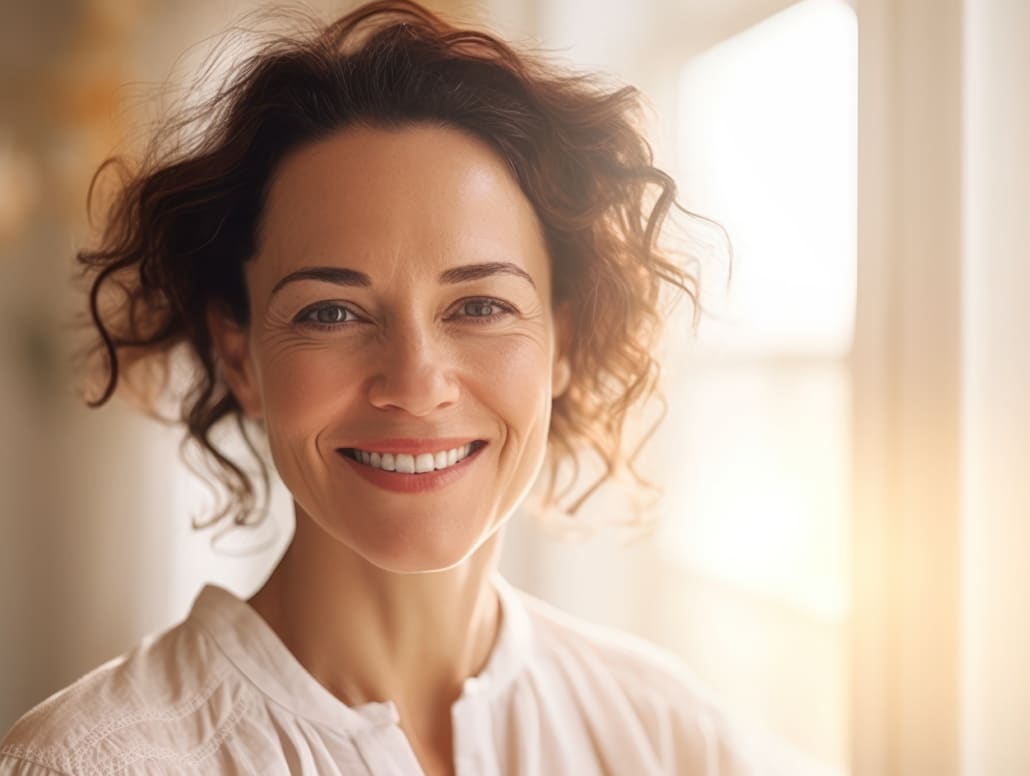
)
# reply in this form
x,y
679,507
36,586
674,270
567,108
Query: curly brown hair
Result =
x,y
182,223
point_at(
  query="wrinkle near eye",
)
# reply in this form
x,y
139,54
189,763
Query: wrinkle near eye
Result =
x,y
282,343
276,317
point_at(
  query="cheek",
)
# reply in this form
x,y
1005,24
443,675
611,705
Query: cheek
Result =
x,y
518,390
514,378
303,386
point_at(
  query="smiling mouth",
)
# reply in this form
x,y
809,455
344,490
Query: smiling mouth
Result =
x,y
407,463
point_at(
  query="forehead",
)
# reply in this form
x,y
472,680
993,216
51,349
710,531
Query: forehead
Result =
x,y
426,196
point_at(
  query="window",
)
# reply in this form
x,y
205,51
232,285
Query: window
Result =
x,y
755,452
747,575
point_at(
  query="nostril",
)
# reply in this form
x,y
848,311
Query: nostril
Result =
x,y
418,384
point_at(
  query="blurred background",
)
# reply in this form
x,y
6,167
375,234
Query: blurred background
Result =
x,y
844,531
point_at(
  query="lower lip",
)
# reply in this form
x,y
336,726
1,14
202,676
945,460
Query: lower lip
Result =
x,y
414,483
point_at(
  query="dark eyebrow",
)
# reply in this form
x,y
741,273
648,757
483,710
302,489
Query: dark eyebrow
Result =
x,y
341,276
468,272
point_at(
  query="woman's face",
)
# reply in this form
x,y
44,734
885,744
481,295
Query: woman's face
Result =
x,y
400,318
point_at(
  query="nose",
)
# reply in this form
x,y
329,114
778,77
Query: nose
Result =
x,y
416,373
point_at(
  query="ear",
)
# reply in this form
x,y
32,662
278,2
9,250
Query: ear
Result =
x,y
232,345
561,369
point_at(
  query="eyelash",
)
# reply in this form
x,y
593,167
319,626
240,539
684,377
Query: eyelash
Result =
x,y
304,318
502,309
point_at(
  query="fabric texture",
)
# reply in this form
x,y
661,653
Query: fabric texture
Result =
x,y
221,694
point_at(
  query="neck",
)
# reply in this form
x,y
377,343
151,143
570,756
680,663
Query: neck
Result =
x,y
372,635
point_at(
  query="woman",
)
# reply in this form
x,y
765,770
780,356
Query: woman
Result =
x,y
418,265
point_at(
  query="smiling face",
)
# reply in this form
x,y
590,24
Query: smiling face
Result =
x,y
400,317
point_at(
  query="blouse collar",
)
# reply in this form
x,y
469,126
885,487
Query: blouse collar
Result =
x,y
257,652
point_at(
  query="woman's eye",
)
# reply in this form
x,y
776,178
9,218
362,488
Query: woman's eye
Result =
x,y
483,309
327,315
480,308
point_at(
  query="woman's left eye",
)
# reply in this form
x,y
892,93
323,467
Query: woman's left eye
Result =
x,y
483,309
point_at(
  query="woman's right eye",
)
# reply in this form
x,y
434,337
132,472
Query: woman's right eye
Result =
x,y
326,315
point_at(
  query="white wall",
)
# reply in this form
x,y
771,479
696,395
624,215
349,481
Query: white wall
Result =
x,y
996,401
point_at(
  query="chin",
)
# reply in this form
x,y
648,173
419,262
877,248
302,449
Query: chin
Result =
x,y
417,565
420,552
419,561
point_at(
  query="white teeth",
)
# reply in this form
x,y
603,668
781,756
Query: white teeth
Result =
x,y
413,464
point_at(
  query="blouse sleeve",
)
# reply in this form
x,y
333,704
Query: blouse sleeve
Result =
x,y
19,766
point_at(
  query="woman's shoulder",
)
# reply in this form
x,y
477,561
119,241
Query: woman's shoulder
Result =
x,y
625,676
623,659
112,711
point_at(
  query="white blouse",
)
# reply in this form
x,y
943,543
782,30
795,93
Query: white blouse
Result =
x,y
221,694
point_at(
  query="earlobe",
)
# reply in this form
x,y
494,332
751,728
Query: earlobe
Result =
x,y
560,377
561,374
232,347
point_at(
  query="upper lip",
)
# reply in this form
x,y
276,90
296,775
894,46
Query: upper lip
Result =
x,y
411,446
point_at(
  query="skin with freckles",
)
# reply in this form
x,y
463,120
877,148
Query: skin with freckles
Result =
x,y
401,290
